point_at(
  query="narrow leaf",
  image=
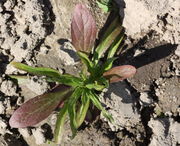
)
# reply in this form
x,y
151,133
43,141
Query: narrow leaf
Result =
x,y
72,110
95,100
37,109
105,5
42,71
67,79
51,74
103,81
81,114
95,86
83,29
61,117
112,26
120,73
108,64
109,37
115,45
107,42
86,61
99,84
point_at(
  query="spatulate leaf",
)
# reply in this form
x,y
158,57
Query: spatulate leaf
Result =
x,y
120,73
83,29
40,107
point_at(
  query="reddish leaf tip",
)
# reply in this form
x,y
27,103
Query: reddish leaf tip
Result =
x,y
14,124
120,73
39,108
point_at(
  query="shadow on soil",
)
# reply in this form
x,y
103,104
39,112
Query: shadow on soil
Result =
x,y
151,55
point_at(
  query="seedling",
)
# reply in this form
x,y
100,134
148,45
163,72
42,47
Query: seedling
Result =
x,y
74,94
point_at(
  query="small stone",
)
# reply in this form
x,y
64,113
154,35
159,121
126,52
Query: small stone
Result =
x,y
6,16
3,126
2,108
177,51
39,136
8,88
169,114
145,100
1,8
9,4
24,132
44,50
53,119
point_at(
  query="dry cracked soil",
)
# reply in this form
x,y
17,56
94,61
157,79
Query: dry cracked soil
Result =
x,y
146,108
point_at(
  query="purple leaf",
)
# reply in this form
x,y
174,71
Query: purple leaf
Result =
x,y
120,73
83,29
40,107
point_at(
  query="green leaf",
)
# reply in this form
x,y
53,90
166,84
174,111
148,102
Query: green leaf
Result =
x,y
99,84
112,26
81,114
72,110
105,5
108,64
42,71
68,80
95,100
86,61
95,86
103,81
115,45
51,74
61,117
104,45
108,38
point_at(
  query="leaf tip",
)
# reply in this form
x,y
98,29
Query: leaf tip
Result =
x,y
13,63
13,123
120,73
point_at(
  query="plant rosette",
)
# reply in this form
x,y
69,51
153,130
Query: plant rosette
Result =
x,y
75,94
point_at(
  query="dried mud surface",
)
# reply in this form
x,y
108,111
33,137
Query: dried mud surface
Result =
x,y
146,108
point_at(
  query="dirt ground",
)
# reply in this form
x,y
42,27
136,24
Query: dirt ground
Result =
x,y
146,108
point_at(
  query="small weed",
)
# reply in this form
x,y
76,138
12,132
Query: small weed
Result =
x,y
74,94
